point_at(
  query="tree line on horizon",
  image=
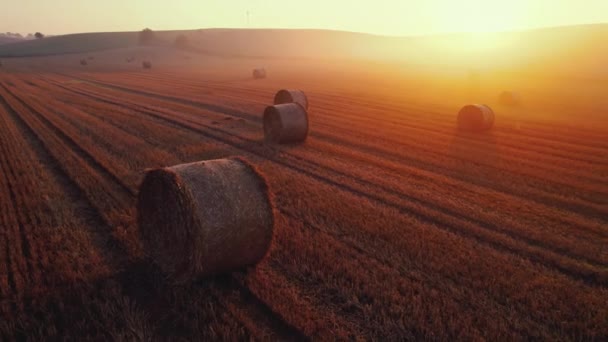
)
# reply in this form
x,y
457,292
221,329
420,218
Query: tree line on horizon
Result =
x,y
148,37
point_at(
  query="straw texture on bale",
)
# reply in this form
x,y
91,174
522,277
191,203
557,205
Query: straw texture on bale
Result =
x,y
509,98
146,65
285,123
205,218
289,96
477,117
259,73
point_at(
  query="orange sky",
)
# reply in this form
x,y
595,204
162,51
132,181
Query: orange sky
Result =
x,y
388,17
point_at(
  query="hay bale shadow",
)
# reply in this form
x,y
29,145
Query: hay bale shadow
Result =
x,y
93,310
477,155
138,303
275,150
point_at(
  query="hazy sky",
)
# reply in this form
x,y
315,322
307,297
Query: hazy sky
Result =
x,y
391,17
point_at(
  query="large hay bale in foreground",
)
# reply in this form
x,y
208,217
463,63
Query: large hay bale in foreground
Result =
x,y
509,98
259,73
285,123
289,96
476,117
205,218
146,65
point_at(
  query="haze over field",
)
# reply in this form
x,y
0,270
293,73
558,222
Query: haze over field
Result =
x,y
565,51
537,35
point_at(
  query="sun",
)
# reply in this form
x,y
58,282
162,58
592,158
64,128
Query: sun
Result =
x,y
479,16
472,29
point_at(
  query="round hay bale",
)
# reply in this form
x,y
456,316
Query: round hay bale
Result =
x,y
509,98
205,218
146,65
259,73
476,117
289,96
285,123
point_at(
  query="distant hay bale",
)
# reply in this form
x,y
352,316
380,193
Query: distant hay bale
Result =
x,y
509,98
476,117
259,73
205,218
285,123
83,62
146,65
289,96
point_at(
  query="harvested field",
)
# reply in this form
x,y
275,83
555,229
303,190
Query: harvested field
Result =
x,y
390,222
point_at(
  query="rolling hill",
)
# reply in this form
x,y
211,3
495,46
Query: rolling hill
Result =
x,y
9,39
577,50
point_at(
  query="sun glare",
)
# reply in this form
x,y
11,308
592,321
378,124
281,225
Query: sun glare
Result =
x,y
480,16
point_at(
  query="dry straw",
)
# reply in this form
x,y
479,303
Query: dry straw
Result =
x,y
476,117
285,123
205,218
259,73
289,96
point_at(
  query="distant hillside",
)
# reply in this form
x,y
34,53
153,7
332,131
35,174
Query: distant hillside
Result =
x,y
229,42
72,43
579,49
8,38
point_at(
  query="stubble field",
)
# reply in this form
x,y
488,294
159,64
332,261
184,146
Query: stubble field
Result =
x,y
391,224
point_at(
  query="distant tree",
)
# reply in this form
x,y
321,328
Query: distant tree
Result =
x,y
146,36
38,35
181,41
